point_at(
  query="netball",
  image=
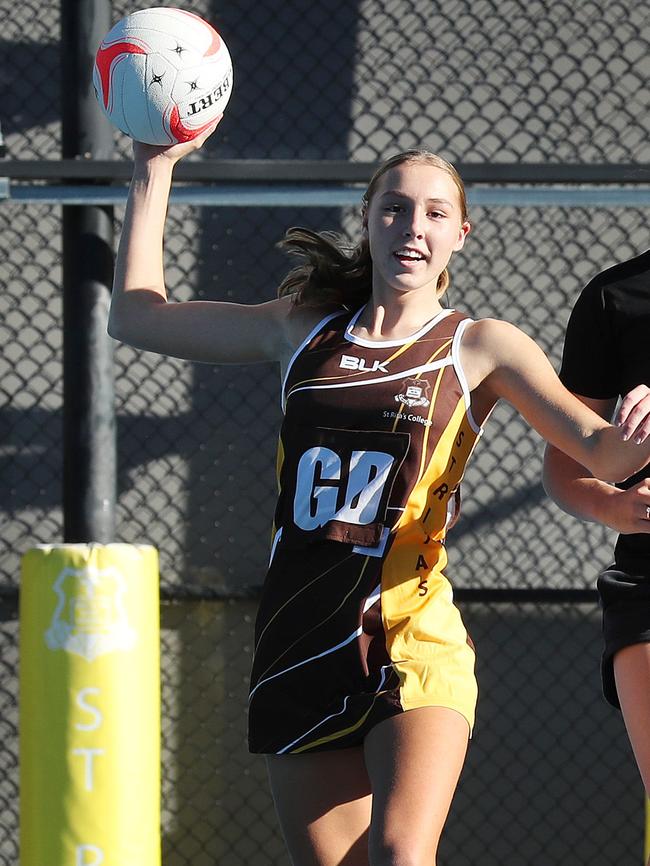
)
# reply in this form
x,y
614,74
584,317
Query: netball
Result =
x,y
162,75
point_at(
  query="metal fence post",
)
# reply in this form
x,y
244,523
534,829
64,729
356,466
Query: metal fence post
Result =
x,y
89,449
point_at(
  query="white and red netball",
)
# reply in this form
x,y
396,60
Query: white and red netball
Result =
x,y
162,75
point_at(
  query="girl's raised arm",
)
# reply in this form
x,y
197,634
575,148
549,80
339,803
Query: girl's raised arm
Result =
x,y
141,315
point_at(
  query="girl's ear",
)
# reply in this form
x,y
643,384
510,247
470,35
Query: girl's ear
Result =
x,y
462,234
364,219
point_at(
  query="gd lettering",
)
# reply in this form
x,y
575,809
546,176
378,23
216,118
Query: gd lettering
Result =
x,y
329,488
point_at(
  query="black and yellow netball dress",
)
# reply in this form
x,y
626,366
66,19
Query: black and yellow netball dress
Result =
x,y
357,621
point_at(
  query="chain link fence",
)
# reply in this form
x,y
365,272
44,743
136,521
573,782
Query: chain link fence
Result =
x,y
549,773
477,80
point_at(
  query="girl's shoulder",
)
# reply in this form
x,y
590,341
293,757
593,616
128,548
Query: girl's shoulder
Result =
x,y
483,332
490,343
302,319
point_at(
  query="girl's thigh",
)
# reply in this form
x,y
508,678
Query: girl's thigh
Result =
x,y
414,761
323,804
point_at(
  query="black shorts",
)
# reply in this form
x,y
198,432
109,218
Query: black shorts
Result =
x,y
625,601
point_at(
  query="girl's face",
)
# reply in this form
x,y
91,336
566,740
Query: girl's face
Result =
x,y
414,224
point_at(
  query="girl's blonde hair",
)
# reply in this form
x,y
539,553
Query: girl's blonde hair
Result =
x,y
334,272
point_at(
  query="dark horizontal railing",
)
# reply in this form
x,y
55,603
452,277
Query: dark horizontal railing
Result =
x,y
9,596
321,171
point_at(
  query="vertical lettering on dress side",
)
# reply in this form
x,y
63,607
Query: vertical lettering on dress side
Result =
x,y
441,490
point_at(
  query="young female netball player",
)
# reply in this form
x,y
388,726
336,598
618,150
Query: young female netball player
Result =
x,y
605,356
362,690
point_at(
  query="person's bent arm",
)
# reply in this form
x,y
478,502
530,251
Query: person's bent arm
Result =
x,y
578,493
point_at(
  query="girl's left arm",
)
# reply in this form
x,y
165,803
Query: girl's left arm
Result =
x,y
500,361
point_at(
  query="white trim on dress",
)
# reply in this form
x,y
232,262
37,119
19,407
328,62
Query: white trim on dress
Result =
x,y
460,372
360,341
310,336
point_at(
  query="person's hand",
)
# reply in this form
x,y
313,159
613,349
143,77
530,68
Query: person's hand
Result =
x,y
629,510
143,153
633,416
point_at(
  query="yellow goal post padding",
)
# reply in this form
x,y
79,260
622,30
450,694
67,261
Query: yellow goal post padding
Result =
x,y
89,744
